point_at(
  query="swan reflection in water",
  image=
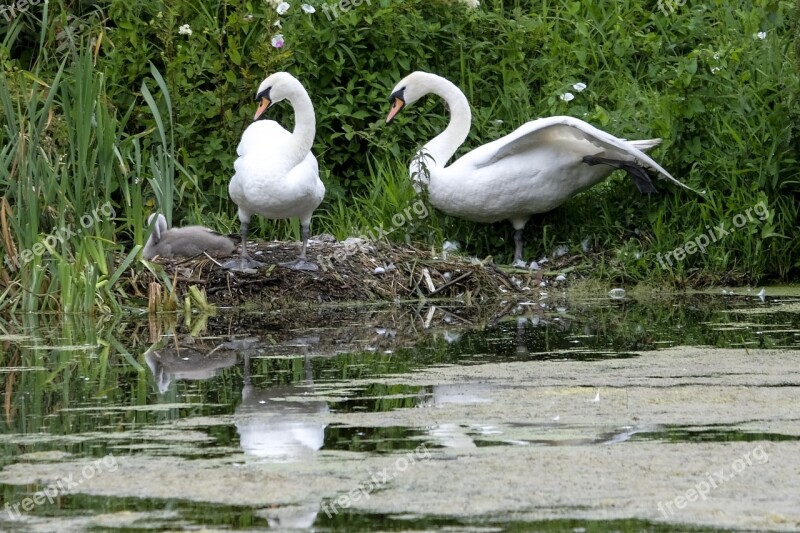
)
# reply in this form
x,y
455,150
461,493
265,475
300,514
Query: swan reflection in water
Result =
x,y
192,363
278,423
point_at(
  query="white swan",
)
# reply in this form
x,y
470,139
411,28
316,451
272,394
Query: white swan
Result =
x,y
276,174
532,170
188,241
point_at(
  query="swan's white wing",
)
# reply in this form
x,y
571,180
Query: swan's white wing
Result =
x,y
266,139
264,184
573,132
261,135
312,163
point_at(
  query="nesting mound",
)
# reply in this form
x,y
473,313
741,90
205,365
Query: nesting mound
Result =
x,y
354,270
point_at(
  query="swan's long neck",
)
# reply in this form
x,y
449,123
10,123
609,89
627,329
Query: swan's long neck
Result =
x,y
305,123
442,147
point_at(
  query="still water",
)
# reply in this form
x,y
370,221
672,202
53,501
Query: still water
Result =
x,y
594,415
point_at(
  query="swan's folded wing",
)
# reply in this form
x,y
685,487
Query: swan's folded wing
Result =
x,y
539,133
260,136
311,161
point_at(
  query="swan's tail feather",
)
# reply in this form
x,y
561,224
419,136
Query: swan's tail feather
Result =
x,y
642,180
637,173
646,144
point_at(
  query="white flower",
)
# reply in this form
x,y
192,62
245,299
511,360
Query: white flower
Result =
x,y
278,41
248,17
579,86
277,23
714,70
716,56
308,8
761,35
185,30
567,97
282,8
497,122
472,3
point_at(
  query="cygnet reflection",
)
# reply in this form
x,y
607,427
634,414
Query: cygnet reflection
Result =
x,y
195,362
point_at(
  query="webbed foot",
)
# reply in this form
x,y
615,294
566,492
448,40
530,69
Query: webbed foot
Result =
x,y
300,264
242,264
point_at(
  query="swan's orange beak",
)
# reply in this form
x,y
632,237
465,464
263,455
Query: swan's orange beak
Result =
x,y
265,103
397,105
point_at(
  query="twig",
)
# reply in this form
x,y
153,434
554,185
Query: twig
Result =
x,y
212,259
429,318
505,278
426,275
452,282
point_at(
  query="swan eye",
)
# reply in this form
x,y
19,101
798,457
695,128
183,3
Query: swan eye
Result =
x,y
399,94
263,94
263,100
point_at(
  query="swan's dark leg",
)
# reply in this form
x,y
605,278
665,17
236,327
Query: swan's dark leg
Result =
x,y
300,263
304,235
245,262
637,173
518,246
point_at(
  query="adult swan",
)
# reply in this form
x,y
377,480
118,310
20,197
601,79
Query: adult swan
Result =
x,y
276,174
532,170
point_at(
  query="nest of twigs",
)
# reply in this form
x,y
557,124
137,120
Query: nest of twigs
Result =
x,y
354,270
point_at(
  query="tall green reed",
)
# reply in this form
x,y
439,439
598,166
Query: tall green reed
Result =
x,y
162,163
61,171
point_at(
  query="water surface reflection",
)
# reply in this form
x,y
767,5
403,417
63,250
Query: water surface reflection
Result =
x,y
323,393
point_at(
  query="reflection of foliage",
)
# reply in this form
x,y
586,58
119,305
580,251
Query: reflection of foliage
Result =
x,y
114,375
